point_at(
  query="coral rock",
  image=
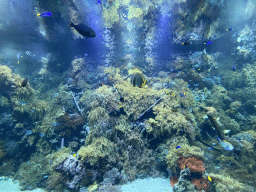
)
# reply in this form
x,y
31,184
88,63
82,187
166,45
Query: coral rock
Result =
x,y
73,169
195,164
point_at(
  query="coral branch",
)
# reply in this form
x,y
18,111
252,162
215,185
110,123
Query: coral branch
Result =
x,y
76,102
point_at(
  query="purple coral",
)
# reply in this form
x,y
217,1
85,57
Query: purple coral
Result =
x,y
73,169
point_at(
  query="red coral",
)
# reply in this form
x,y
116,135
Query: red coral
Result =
x,y
69,123
201,184
195,164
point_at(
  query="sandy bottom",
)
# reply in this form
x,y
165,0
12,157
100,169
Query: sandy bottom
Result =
x,y
8,185
148,185
140,185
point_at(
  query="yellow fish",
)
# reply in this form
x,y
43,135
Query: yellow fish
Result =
x,y
209,178
74,155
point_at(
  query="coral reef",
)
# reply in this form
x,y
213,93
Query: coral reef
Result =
x,y
69,124
185,151
33,173
2,150
73,171
99,148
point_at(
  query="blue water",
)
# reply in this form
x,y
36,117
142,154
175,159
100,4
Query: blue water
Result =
x,y
80,111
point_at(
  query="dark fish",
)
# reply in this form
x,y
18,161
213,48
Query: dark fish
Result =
x,y
230,29
138,80
208,43
182,95
45,14
186,43
99,2
24,82
84,30
234,68
178,147
223,91
121,99
117,113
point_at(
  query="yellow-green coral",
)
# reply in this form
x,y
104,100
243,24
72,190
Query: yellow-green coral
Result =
x,y
110,13
97,113
185,150
99,148
134,12
224,183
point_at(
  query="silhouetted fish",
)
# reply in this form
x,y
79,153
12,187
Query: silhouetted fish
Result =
x,y
84,30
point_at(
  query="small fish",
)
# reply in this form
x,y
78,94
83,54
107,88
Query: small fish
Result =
x,y
24,82
85,54
234,68
182,95
209,148
121,99
186,43
41,134
74,155
28,132
209,178
177,147
226,145
57,124
30,54
84,30
45,14
18,57
99,2
224,92
230,29
138,80
208,43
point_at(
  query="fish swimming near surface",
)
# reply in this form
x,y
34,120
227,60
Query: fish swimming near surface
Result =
x,y
18,57
45,14
29,53
84,30
226,145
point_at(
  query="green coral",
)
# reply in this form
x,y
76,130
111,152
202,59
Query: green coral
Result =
x,y
32,172
99,148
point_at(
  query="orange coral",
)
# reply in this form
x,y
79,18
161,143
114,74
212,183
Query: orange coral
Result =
x,y
201,184
195,164
174,180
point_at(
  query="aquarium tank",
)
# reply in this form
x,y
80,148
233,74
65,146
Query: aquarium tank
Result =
x,y
128,95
